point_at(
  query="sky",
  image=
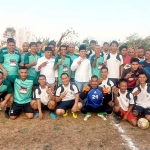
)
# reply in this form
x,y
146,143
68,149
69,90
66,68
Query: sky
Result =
x,y
103,20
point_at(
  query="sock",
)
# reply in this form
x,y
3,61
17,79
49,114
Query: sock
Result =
x,y
7,109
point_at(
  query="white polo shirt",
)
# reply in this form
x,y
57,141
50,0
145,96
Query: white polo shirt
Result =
x,y
105,55
125,100
42,95
114,61
71,90
90,53
48,70
83,71
143,98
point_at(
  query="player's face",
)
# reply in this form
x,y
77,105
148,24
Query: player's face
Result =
x,y
124,52
42,81
71,48
33,48
123,86
48,54
114,47
135,66
94,82
82,53
63,51
53,47
1,78
106,47
11,46
23,73
131,52
142,78
39,46
104,73
140,53
147,55
25,47
65,79
97,49
92,45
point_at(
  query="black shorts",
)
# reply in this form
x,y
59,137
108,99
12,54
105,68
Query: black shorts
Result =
x,y
16,109
65,105
2,96
141,111
44,107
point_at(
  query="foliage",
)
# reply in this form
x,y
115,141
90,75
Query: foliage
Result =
x,y
10,32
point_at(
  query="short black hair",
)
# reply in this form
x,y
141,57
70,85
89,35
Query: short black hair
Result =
x,y
114,42
142,73
41,75
105,43
38,42
23,67
122,46
64,73
104,67
10,39
62,46
122,80
93,41
94,76
52,43
134,60
32,43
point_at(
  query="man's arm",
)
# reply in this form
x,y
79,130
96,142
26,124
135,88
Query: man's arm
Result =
x,y
59,98
4,71
93,61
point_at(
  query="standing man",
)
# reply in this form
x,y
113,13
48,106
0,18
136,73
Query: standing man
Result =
x,y
73,56
114,62
62,63
82,67
106,50
97,62
52,44
140,53
91,52
39,48
45,65
67,97
25,50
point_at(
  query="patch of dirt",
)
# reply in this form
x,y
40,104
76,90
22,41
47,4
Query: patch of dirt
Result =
x,y
67,133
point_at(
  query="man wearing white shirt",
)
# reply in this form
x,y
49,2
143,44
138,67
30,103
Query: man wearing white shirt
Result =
x,y
91,52
45,66
82,67
106,50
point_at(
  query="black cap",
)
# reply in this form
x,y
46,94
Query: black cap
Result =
x,y
82,47
48,49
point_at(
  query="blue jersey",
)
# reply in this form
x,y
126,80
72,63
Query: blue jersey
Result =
x,y
95,98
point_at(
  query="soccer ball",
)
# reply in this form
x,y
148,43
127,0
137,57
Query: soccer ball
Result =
x,y
143,123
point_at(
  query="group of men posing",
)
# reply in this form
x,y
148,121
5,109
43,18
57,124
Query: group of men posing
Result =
x,y
92,81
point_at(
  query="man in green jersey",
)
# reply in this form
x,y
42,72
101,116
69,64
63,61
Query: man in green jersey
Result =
x,y
25,50
31,60
10,60
62,63
6,94
39,48
22,94
97,62
73,56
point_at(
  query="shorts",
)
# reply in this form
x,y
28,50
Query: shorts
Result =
x,y
16,109
130,115
2,96
140,111
44,107
65,105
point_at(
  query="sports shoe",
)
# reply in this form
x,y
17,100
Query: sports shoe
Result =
x,y
88,115
117,119
66,113
7,114
101,115
52,115
74,115
36,114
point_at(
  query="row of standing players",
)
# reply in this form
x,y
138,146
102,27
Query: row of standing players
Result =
x,y
79,69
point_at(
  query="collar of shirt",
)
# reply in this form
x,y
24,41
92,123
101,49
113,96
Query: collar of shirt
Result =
x,y
145,87
123,93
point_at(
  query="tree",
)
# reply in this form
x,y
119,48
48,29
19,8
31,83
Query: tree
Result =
x,y
10,32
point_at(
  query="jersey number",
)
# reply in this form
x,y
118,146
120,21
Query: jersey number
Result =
x,y
94,96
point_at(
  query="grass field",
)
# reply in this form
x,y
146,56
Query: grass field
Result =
x,y
66,133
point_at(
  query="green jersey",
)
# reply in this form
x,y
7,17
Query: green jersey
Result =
x,y
41,53
64,67
4,49
23,90
6,87
29,58
97,69
73,57
10,62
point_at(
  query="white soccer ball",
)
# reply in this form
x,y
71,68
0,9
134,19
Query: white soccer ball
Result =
x,y
143,123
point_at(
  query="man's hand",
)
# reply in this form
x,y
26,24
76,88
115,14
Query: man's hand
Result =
x,y
63,94
3,104
125,117
80,61
115,91
34,63
21,64
105,62
111,104
136,93
128,75
60,62
44,64
74,108
97,56
100,80
40,116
